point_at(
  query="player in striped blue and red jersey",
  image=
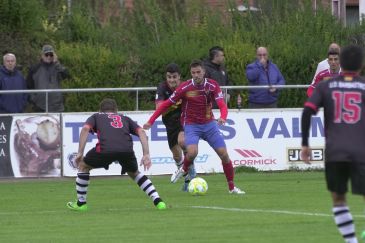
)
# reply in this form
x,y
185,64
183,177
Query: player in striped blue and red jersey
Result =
x,y
197,95
343,100
114,144
333,58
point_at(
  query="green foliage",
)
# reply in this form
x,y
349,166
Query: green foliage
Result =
x,y
133,48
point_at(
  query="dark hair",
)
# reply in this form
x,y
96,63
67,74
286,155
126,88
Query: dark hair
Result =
x,y
351,58
173,68
333,52
196,63
214,51
108,105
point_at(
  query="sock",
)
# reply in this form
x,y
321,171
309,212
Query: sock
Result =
x,y
344,222
179,163
82,183
186,165
191,173
146,185
229,173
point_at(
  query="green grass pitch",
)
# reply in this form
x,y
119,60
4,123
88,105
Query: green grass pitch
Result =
x,y
278,207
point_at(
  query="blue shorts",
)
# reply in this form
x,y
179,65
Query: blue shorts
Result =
x,y
208,132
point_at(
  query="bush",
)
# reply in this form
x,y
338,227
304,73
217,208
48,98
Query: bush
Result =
x,y
133,48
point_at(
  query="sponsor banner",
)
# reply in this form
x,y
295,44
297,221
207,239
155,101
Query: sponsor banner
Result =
x,y
264,139
30,146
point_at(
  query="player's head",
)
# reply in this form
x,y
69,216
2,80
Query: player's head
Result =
x,y
197,71
351,58
173,74
216,54
333,57
108,105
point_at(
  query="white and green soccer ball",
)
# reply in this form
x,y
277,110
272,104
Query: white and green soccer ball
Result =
x,y
198,186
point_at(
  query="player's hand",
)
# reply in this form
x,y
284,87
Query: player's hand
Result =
x,y
272,90
78,159
147,126
221,121
146,162
306,154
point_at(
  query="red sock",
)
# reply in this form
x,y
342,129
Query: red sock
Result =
x,y
229,173
186,165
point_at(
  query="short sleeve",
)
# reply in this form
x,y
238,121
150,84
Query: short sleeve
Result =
x,y
91,122
160,92
133,126
316,100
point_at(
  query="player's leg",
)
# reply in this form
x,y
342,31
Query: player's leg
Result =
x,y
358,182
172,139
214,138
337,176
83,180
192,135
129,163
191,172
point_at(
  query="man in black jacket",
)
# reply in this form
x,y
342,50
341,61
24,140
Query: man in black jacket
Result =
x,y
47,74
214,69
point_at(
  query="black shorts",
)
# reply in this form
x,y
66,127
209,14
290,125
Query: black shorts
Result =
x,y
127,160
173,134
338,175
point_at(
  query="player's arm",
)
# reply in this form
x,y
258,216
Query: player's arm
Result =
x,y
82,142
146,160
312,86
161,109
223,110
308,111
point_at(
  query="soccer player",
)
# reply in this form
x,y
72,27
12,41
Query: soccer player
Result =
x,y
115,144
171,118
333,71
197,95
344,117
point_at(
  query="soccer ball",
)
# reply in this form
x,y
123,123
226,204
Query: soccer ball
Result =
x,y
198,186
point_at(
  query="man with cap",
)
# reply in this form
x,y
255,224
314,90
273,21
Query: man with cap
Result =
x,y
47,74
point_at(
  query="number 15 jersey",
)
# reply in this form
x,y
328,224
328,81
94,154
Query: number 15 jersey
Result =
x,y
343,100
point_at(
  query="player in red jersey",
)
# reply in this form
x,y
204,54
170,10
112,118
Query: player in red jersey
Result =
x,y
197,95
115,144
343,101
333,71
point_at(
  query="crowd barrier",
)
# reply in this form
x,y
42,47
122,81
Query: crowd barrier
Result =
x,y
45,145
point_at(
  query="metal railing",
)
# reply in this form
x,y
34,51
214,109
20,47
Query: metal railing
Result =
x,y
138,89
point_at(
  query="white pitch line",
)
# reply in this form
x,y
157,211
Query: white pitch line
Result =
x,y
271,211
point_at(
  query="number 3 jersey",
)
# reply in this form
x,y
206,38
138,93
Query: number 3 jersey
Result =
x,y
343,100
113,131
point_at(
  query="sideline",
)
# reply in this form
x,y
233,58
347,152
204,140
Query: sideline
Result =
x,y
271,211
243,210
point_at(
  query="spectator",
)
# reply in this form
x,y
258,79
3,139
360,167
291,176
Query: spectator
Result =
x,y
47,74
333,71
324,65
12,79
214,69
263,72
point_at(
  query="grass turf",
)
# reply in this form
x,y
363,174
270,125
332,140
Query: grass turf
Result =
x,y
278,207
